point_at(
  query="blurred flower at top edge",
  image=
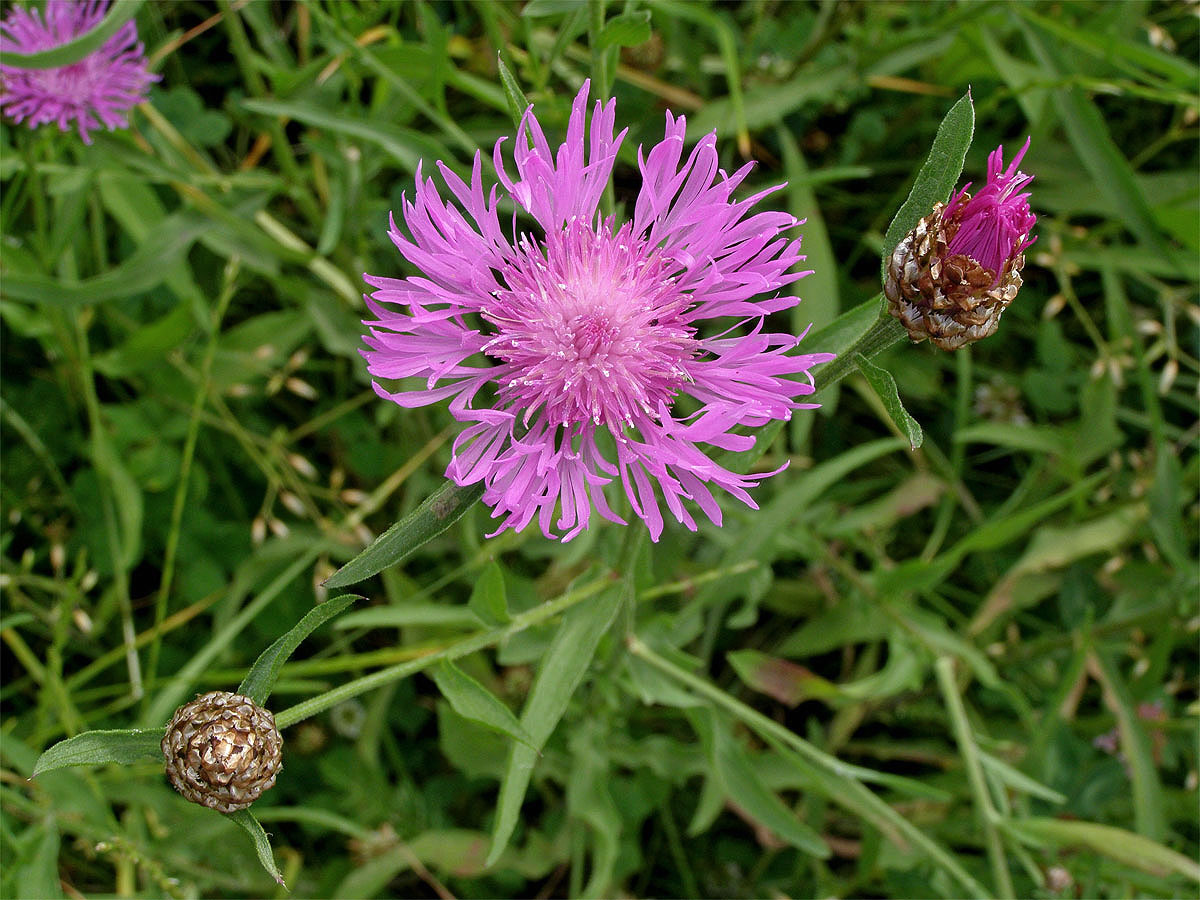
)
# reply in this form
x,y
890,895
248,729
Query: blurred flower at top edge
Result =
x,y
591,329
95,92
952,276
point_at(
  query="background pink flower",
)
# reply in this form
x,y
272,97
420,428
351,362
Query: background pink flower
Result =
x,y
95,92
597,352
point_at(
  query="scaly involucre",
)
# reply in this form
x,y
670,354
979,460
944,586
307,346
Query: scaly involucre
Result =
x,y
95,92
583,351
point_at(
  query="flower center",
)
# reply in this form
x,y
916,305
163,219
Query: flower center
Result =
x,y
592,327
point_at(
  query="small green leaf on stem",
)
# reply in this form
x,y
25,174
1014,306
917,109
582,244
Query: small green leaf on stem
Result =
x,y
261,678
93,748
489,599
884,386
262,846
517,101
1115,843
473,701
441,509
626,30
938,176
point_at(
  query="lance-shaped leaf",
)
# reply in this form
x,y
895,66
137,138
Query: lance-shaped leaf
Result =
x,y
441,509
884,386
938,176
513,95
94,748
561,670
262,846
261,678
473,701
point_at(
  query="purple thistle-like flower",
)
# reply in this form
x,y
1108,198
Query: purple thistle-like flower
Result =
x,y
951,277
996,224
95,92
597,343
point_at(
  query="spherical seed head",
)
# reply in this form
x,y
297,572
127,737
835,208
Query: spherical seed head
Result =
x,y
222,751
953,275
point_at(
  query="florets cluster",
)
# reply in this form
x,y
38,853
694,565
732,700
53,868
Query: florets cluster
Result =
x,y
95,92
579,351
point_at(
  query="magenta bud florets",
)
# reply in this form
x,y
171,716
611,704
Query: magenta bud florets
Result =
x,y
952,276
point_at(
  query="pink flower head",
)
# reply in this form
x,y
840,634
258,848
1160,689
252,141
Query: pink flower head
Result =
x,y
994,226
604,351
96,91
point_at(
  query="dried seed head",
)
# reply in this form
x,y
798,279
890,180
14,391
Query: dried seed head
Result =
x,y
953,275
222,751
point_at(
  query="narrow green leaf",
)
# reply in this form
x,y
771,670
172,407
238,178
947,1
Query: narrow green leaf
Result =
x,y
741,783
473,701
884,386
261,678
75,50
147,267
785,681
124,746
626,30
846,329
1149,814
1014,778
489,599
1111,172
1115,843
937,178
513,95
407,146
34,866
1032,438
441,509
147,345
562,669
262,846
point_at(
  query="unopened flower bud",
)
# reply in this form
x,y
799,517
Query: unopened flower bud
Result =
x,y
222,750
952,276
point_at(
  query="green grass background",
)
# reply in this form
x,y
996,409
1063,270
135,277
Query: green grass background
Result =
x,y
995,635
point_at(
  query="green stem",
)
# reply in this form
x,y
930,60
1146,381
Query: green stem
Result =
x,y
468,645
281,148
855,796
883,334
958,452
38,198
185,465
101,454
988,817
